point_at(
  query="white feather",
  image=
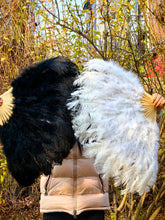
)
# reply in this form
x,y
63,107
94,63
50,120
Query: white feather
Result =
x,y
109,122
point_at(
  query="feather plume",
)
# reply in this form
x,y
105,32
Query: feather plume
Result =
x,y
109,119
39,132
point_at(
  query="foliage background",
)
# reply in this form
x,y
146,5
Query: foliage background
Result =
x,y
120,30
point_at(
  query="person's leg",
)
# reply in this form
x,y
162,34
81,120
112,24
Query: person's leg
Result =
x,y
57,216
91,215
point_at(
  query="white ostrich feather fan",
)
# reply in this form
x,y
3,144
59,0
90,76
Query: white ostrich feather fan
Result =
x,y
115,121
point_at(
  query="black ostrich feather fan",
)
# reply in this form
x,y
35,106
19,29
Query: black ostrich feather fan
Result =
x,y
36,131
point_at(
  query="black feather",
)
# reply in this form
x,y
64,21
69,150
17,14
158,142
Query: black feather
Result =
x,y
39,133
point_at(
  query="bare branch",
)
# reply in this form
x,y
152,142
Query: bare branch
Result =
x,y
66,25
58,10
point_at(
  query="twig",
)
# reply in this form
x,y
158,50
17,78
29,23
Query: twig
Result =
x,y
131,202
149,210
115,205
66,25
122,203
139,206
154,215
